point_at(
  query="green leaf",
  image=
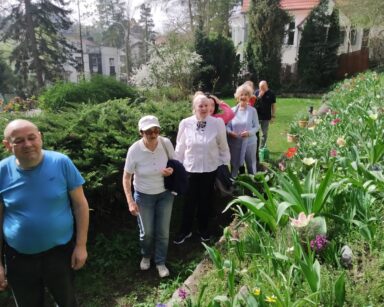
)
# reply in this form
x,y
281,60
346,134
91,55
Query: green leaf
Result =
x,y
281,210
340,291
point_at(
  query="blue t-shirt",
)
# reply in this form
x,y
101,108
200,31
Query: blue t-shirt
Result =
x,y
37,212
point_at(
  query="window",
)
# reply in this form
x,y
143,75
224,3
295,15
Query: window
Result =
x,y
365,39
112,70
79,62
94,61
342,36
290,38
353,36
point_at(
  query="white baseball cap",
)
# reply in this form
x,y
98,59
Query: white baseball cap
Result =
x,y
148,122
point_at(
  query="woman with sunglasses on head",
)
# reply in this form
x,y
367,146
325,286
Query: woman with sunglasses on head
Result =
x,y
151,202
202,147
220,109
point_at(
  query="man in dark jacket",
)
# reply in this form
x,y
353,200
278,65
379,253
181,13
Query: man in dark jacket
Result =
x,y
266,111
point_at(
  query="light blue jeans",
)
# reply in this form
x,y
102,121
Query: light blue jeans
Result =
x,y
154,220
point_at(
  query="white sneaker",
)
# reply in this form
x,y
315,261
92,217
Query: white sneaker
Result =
x,y
163,271
145,264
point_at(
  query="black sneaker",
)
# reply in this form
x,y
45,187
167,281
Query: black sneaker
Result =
x,y
182,237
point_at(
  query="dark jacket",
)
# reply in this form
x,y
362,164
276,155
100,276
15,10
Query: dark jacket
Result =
x,y
178,181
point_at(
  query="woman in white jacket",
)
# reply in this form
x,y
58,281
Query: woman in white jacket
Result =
x,y
202,147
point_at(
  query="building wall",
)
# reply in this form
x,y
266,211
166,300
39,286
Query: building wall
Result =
x,y
104,54
290,53
354,38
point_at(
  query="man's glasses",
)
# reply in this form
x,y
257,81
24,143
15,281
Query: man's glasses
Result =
x,y
152,131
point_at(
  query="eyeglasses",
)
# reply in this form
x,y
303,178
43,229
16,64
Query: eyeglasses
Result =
x,y
152,131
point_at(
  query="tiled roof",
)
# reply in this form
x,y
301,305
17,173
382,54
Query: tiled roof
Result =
x,y
289,5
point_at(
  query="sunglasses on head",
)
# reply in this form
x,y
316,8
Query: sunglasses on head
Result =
x,y
152,131
209,96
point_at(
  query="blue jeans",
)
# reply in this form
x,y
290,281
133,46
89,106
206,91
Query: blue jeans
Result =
x,y
154,219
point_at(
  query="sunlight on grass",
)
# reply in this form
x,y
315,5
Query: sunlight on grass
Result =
x,y
287,111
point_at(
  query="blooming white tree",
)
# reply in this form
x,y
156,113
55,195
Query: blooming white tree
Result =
x,y
168,67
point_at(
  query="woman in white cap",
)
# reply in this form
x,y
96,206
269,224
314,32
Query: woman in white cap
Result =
x,y
151,202
202,147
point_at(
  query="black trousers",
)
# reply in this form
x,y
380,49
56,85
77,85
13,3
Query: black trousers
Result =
x,y
28,275
199,197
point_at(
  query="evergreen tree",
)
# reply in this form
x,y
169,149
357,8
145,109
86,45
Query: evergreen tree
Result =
x,y
265,38
213,16
7,79
219,66
41,48
317,63
112,21
146,21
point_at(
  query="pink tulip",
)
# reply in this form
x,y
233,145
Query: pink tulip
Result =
x,y
302,220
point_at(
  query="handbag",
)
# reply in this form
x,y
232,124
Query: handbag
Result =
x,y
177,183
224,181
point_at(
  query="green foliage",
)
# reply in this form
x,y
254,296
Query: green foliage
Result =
x,y
317,62
219,66
7,78
265,39
97,137
97,90
364,13
37,28
309,195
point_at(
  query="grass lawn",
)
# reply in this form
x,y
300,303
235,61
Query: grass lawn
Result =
x,y
287,111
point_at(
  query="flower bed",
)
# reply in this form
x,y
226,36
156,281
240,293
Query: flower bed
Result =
x,y
313,234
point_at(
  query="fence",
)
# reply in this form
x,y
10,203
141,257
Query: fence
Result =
x,y
352,63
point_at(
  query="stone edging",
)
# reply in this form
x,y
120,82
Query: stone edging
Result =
x,y
190,285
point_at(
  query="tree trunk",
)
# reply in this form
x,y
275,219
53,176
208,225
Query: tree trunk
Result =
x,y
128,49
190,15
32,43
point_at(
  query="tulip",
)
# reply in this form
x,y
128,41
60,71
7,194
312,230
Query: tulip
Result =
x,y
309,161
341,142
256,291
302,220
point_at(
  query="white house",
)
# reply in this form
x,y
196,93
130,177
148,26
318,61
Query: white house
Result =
x,y
107,61
104,60
352,39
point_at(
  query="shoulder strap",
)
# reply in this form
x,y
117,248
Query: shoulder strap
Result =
x,y
165,147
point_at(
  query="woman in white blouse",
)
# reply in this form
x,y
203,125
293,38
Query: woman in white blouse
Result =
x,y
151,202
242,130
202,147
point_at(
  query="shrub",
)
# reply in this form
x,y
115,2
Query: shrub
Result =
x,y
96,90
97,137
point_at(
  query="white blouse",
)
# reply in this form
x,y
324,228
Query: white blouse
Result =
x,y
202,149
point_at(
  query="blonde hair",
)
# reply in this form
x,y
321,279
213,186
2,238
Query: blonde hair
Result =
x,y
197,97
243,88
250,83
